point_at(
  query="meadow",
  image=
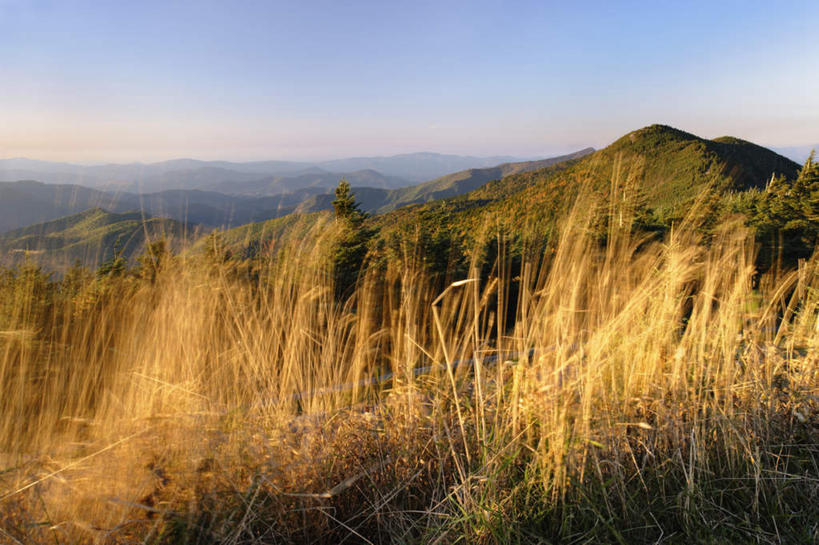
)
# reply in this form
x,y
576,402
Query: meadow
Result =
x,y
648,387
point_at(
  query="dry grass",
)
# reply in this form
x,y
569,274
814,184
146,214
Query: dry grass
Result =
x,y
642,392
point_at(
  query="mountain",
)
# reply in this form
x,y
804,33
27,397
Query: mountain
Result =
x,y
468,180
380,201
662,168
90,237
28,202
672,166
416,167
142,177
313,178
392,172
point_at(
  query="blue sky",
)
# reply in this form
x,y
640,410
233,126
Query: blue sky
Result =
x,y
121,81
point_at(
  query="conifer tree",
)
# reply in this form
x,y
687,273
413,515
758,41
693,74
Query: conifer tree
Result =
x,y
344,204
351,242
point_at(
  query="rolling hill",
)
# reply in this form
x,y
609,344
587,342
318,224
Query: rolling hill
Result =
x,y
28,202
416,167
91,238
465,181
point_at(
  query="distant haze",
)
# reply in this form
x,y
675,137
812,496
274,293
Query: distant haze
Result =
x,y
799,154
384,172
155,80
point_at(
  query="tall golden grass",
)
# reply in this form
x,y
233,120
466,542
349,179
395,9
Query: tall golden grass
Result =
x,y
641,391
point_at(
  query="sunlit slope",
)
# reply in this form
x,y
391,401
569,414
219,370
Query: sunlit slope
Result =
x,y
662,168
376,200
91,237
28,202
267,236
462,182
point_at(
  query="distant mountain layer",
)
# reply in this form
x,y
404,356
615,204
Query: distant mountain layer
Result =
x,y
799,154
469,180
416,167
458,183
28,202
90,237
261,177
316,180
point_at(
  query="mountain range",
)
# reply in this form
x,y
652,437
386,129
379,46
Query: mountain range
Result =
x,y
27,202
258,177
663,168
91,237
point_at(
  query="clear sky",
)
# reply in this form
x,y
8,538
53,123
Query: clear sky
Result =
x,y
121,80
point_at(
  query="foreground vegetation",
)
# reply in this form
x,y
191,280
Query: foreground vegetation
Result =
x,y
641,386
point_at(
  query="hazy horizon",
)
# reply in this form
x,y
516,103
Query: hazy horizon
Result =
x,y
102,83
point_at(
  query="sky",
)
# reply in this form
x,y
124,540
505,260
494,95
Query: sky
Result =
x,y
247,80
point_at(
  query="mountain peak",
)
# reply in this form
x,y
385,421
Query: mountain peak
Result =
x,y
654,135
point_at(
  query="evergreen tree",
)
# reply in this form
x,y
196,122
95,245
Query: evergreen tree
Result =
x,y
351,240
344,204
786,215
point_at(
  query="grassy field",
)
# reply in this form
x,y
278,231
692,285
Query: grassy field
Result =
x,y
646,390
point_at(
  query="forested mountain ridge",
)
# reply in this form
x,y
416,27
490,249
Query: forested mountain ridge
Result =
x,y
392,171
91,237
233,204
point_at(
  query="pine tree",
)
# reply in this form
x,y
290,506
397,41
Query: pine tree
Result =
x,y
344,205
351,240
786,215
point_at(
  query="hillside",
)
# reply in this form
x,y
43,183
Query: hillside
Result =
x,y
416,167
465,181
29,202
663,168
379,201
90,237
